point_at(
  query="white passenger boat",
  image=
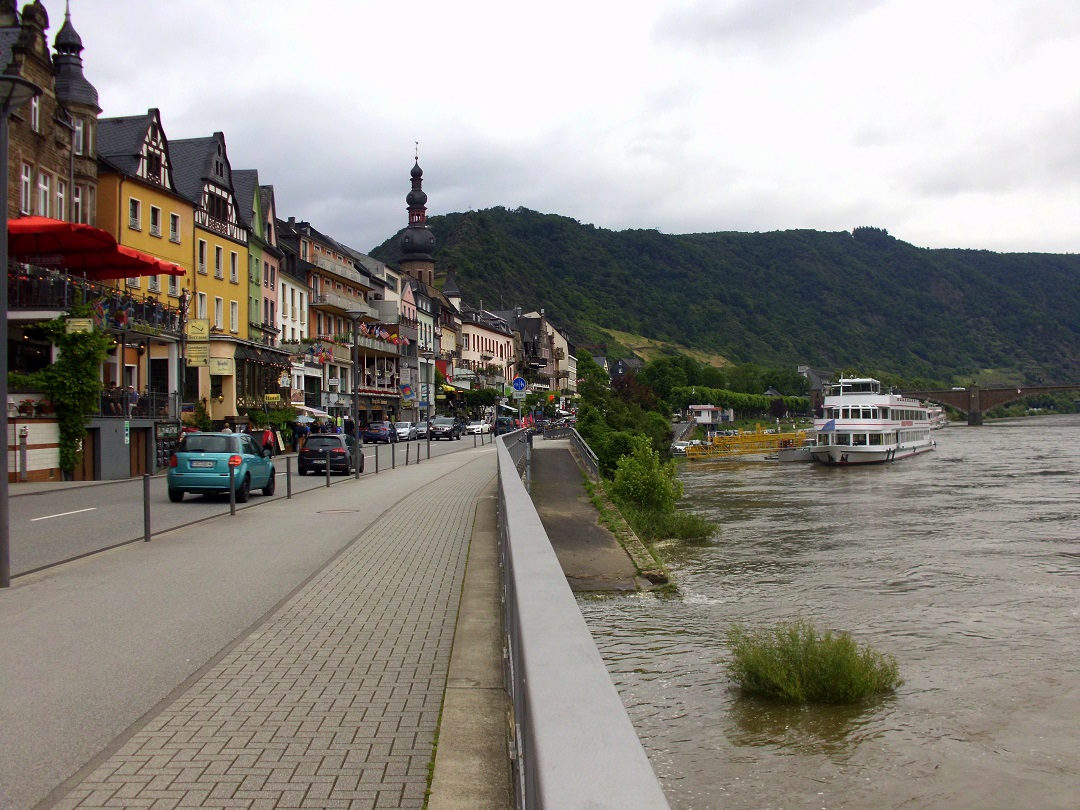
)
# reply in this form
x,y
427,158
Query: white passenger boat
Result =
x,y
938,417
862,425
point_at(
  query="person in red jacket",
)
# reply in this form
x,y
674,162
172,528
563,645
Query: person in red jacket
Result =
x,y
266,439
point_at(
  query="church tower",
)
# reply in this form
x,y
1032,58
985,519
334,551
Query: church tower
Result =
x,y
418,241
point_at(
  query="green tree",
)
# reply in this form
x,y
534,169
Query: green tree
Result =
x,y
643,481
71,383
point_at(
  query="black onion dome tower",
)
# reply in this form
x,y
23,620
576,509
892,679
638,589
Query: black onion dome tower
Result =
x,y
72,87
418,242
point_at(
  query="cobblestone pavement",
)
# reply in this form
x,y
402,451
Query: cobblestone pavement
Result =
x,y
334,700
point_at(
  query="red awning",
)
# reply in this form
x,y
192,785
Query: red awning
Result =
x,y
41,236
122,262
80,249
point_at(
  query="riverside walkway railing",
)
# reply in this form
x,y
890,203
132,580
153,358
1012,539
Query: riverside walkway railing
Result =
x,y
585,453
574,744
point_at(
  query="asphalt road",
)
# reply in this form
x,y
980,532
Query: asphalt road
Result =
x,y
51,526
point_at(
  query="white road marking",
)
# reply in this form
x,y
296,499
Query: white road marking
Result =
x,y
62,514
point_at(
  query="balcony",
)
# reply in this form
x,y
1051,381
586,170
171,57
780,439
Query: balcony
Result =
x,y
37,291
341,304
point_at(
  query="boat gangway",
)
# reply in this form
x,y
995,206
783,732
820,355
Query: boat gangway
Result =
x,y
746,443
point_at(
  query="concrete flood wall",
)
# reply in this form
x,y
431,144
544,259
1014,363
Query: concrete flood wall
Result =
x,y
574,744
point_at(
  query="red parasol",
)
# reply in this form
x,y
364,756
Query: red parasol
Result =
x,y
41,236
80,249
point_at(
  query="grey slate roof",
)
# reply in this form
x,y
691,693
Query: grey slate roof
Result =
x,y
450,287
8,38
245,181
120,140
191,159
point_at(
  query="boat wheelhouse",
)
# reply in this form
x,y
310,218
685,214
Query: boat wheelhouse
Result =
x,y
862,425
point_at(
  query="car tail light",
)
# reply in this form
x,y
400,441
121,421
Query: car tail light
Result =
x,y
172,460
235,461
337,451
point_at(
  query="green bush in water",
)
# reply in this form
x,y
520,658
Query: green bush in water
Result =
x,y
795,664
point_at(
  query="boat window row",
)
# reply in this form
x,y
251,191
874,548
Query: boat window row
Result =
x,y
856,412
857,439
908,436
910,414
870,412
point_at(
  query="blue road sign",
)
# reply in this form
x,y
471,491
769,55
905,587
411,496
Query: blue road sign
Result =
x,y
519,383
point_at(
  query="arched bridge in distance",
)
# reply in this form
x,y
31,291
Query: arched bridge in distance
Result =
x,y
975,401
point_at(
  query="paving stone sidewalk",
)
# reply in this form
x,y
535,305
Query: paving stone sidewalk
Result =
x,y
334,700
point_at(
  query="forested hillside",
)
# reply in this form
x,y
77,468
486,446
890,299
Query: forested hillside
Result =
x,y
861,300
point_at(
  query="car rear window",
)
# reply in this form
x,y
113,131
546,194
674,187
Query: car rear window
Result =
x,y
443,421
323,441
206,444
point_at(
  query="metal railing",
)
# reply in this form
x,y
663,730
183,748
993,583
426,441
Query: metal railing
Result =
x,y
573,742
585,453
35,289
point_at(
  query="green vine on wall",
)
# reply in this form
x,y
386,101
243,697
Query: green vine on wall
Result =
x,y
72,384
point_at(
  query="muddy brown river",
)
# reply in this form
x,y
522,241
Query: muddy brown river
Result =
x,y
963,563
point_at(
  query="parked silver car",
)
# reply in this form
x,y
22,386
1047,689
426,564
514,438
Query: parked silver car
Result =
x,y
405,431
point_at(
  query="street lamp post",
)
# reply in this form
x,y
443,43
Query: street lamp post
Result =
x,y
426,380
14,92
355,315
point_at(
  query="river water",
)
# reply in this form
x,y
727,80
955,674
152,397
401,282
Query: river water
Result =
x,y
963,563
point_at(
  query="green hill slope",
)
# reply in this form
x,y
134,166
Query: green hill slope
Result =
x,y
845,300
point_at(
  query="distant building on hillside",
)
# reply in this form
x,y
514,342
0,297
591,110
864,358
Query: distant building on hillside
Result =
x,y
626,365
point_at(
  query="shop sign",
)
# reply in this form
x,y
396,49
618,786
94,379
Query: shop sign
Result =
x,y
271,397
198,329
166,430
222,366
74,325
198,354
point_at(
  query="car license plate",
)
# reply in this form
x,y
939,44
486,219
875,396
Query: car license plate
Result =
x,y
318,461
202,464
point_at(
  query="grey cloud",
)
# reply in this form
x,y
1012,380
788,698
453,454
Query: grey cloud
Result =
x,y
1043,156
756,22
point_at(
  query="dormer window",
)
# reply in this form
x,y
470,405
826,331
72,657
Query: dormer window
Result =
x,y
153,167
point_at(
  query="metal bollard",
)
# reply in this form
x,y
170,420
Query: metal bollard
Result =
x,y
146,507
406,454
393,454
429,442
288,477
376,459
328,466
358,449
232,490
24,472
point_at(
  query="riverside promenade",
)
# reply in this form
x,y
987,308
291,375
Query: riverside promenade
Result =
x,y
295,655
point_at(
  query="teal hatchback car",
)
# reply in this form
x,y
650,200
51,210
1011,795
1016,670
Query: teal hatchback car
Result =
x,y
201,463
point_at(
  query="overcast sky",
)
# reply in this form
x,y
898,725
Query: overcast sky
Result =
x,y
952,123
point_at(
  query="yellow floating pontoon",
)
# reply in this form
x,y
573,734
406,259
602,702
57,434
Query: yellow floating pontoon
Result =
x,y
746,443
